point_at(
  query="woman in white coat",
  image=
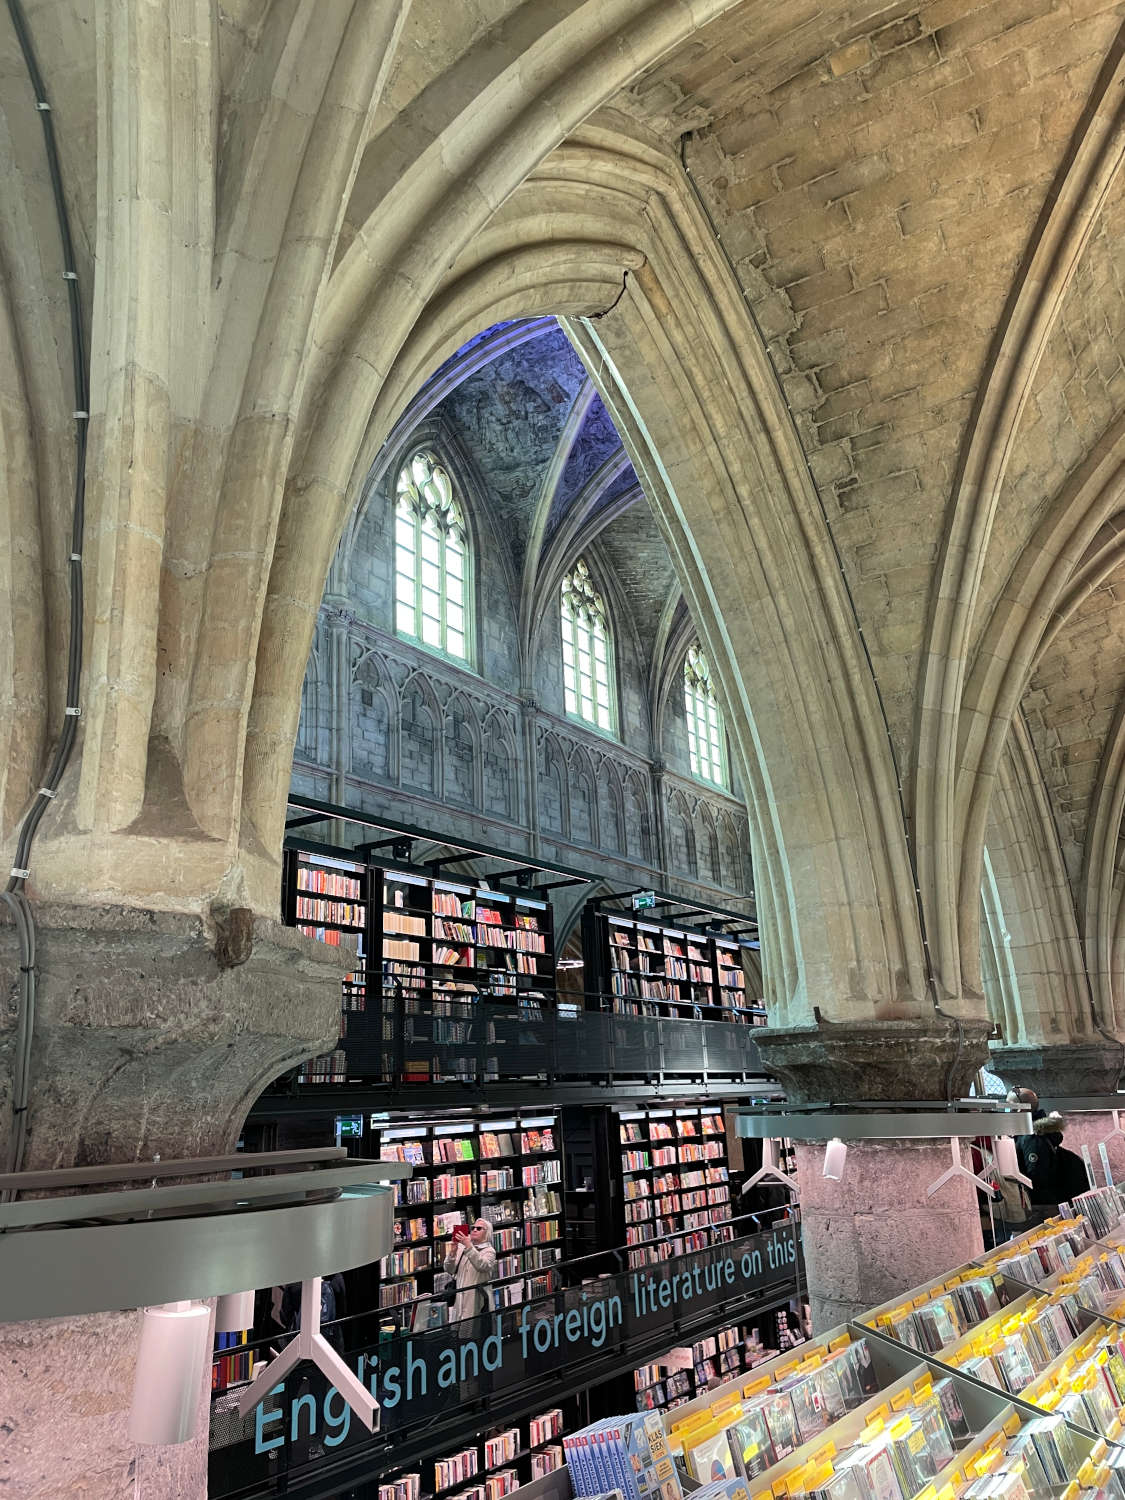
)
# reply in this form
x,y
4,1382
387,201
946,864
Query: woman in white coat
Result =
x,y
472,1264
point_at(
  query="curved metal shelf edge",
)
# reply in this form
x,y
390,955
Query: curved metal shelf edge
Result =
x,y
190,1241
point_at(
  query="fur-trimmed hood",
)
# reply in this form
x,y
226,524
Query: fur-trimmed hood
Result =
x,y
1049,1125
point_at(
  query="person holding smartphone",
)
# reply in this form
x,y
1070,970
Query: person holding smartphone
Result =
x,y
472,1264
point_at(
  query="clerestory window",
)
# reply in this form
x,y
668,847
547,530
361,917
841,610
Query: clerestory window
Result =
x,y
587,651
432,558
706,738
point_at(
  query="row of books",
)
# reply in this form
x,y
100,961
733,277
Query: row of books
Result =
x,y
501,1448
456,1468
502,1143
342,913
405,1487
542,1428
541,1173
406,1262
450,1185
328,882
496,1453
395,920
546,1462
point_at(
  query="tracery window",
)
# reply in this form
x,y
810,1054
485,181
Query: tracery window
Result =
x,y
431,558
586,650
706,740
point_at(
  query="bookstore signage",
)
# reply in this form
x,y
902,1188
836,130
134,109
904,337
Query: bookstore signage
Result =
x,y
419,1373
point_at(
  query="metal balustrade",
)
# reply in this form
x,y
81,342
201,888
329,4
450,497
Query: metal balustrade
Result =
x,y
486,1041
302,1444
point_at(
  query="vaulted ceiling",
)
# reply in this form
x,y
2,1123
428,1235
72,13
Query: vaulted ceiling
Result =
x,y
551,468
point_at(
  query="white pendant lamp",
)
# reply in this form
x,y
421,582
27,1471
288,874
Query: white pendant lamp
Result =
x,y
168,1385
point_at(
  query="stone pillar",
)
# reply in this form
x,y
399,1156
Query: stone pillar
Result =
x,y
875,1233
67,1385
154,1032
1070,1071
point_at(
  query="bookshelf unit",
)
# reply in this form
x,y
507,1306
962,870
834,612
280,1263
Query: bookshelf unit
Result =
x,y
330,899
428,952
675,1181
507,1170
441,947
493,1466
645,969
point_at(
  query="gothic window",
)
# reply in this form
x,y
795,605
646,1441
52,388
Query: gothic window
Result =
x,y
431,558
586,650
706,750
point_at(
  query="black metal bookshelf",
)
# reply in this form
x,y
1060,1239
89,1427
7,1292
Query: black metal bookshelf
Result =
x,y
647,969
507,1170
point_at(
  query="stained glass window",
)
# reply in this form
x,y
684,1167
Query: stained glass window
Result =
x,y
706,747
431,558
586,650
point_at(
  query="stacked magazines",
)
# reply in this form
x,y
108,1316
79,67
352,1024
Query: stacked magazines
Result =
x,y
629,1454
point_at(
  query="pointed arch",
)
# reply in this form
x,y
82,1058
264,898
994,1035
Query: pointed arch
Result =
x,y
689,386
950,893
611,807
500,779
420,740
582,785
576,534
638,818
554,810
309,726
462,751
374,708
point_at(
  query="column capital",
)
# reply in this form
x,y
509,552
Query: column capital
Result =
x,y
1068,1071
156,1031
891,1060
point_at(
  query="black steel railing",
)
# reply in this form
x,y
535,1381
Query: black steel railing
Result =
x,y
437,1387
400,1041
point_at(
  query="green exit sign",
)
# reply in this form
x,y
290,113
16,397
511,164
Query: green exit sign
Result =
x,y
644,900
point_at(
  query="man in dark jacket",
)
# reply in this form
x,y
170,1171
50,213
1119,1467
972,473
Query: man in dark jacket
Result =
x,y
1057,1175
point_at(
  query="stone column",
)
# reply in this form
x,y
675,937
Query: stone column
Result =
x,y
876,1233
1073,1071
154,1032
